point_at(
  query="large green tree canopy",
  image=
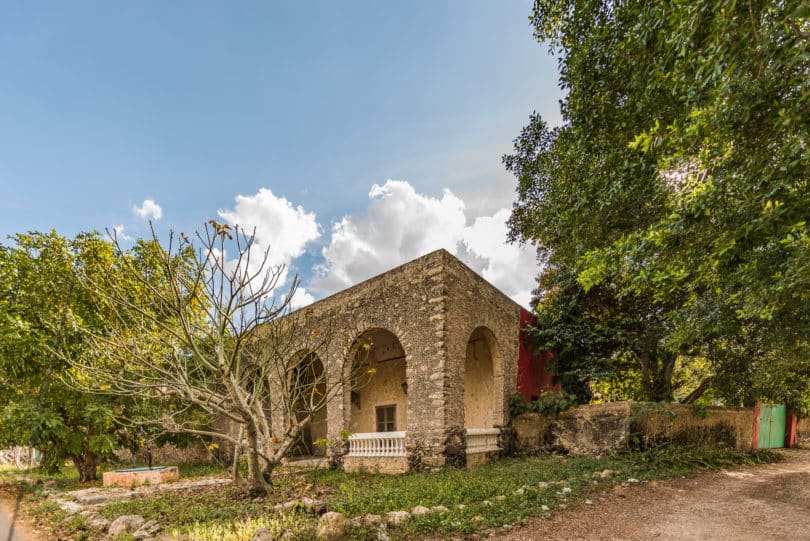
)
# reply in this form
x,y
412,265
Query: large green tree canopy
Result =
x,y
41,304
49,302
671,207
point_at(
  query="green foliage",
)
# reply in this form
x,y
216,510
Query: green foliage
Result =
x,y
671,206
41,297
687,459
548,403
47,300
242,530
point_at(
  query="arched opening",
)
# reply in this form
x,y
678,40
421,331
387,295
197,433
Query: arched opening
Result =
x,y
378,397
481,370
309,396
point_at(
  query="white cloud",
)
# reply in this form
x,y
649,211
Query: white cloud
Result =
x,y
511,267
149,210
118,231
301,298
281,229
400,224
284,228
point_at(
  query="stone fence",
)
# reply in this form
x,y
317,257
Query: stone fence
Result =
x,y
803,432
601,429
169,454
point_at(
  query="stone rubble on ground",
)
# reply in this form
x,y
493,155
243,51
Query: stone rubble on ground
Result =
x,y
331,527
262,534
69,507
370,520
397,518
419,511
147,530
125,524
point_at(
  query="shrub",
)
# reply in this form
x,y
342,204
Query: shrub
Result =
x,y
548,403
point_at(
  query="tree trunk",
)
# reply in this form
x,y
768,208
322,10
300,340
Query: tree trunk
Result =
x,y
87,465
656,374
256,480
704,386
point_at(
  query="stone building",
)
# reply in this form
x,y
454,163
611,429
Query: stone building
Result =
x,y
444,358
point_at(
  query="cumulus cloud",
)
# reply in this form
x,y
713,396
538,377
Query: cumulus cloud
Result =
x,y
281,229
400,224
511,267
118,231
149,210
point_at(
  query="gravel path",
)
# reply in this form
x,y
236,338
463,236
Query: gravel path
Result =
x,y
751,503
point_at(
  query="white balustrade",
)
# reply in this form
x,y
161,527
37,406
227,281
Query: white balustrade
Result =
x,y
377,444
482,440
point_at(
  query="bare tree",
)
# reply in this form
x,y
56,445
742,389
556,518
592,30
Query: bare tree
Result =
x,y
209,334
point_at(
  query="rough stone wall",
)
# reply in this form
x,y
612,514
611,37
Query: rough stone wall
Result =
x,y
391,465
682,424
589,430
473,304
432,305
169,454
803,432
599,429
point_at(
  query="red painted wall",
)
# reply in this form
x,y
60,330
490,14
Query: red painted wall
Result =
x,y
790,428
532,376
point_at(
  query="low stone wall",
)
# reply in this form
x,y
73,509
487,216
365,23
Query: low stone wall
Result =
x,y
169,454
681,424
477,459
383,464
602,429
590,430
803,432
140,476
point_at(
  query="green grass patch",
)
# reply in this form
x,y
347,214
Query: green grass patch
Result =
x,y
203,509
297,524
509,491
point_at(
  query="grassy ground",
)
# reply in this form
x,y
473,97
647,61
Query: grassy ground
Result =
x,y
502,494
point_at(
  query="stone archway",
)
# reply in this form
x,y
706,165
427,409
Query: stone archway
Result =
x,y
309,390
378,396
483,376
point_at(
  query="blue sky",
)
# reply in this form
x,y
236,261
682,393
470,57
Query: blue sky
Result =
x,y
306,110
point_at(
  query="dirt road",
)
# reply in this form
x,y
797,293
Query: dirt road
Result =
x,y
6,533
751,503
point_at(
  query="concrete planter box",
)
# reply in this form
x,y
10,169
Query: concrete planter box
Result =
x,y
140,476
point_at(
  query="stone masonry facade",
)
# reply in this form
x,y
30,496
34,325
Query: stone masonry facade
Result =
x,y
433,305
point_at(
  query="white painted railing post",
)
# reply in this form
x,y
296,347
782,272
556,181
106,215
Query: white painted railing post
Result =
x,y
377,444
482,440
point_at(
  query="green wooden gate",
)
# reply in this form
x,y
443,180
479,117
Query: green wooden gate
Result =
x,y
771,425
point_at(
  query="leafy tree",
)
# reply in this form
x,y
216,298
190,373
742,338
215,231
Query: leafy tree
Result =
x,y
671,207
39,301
